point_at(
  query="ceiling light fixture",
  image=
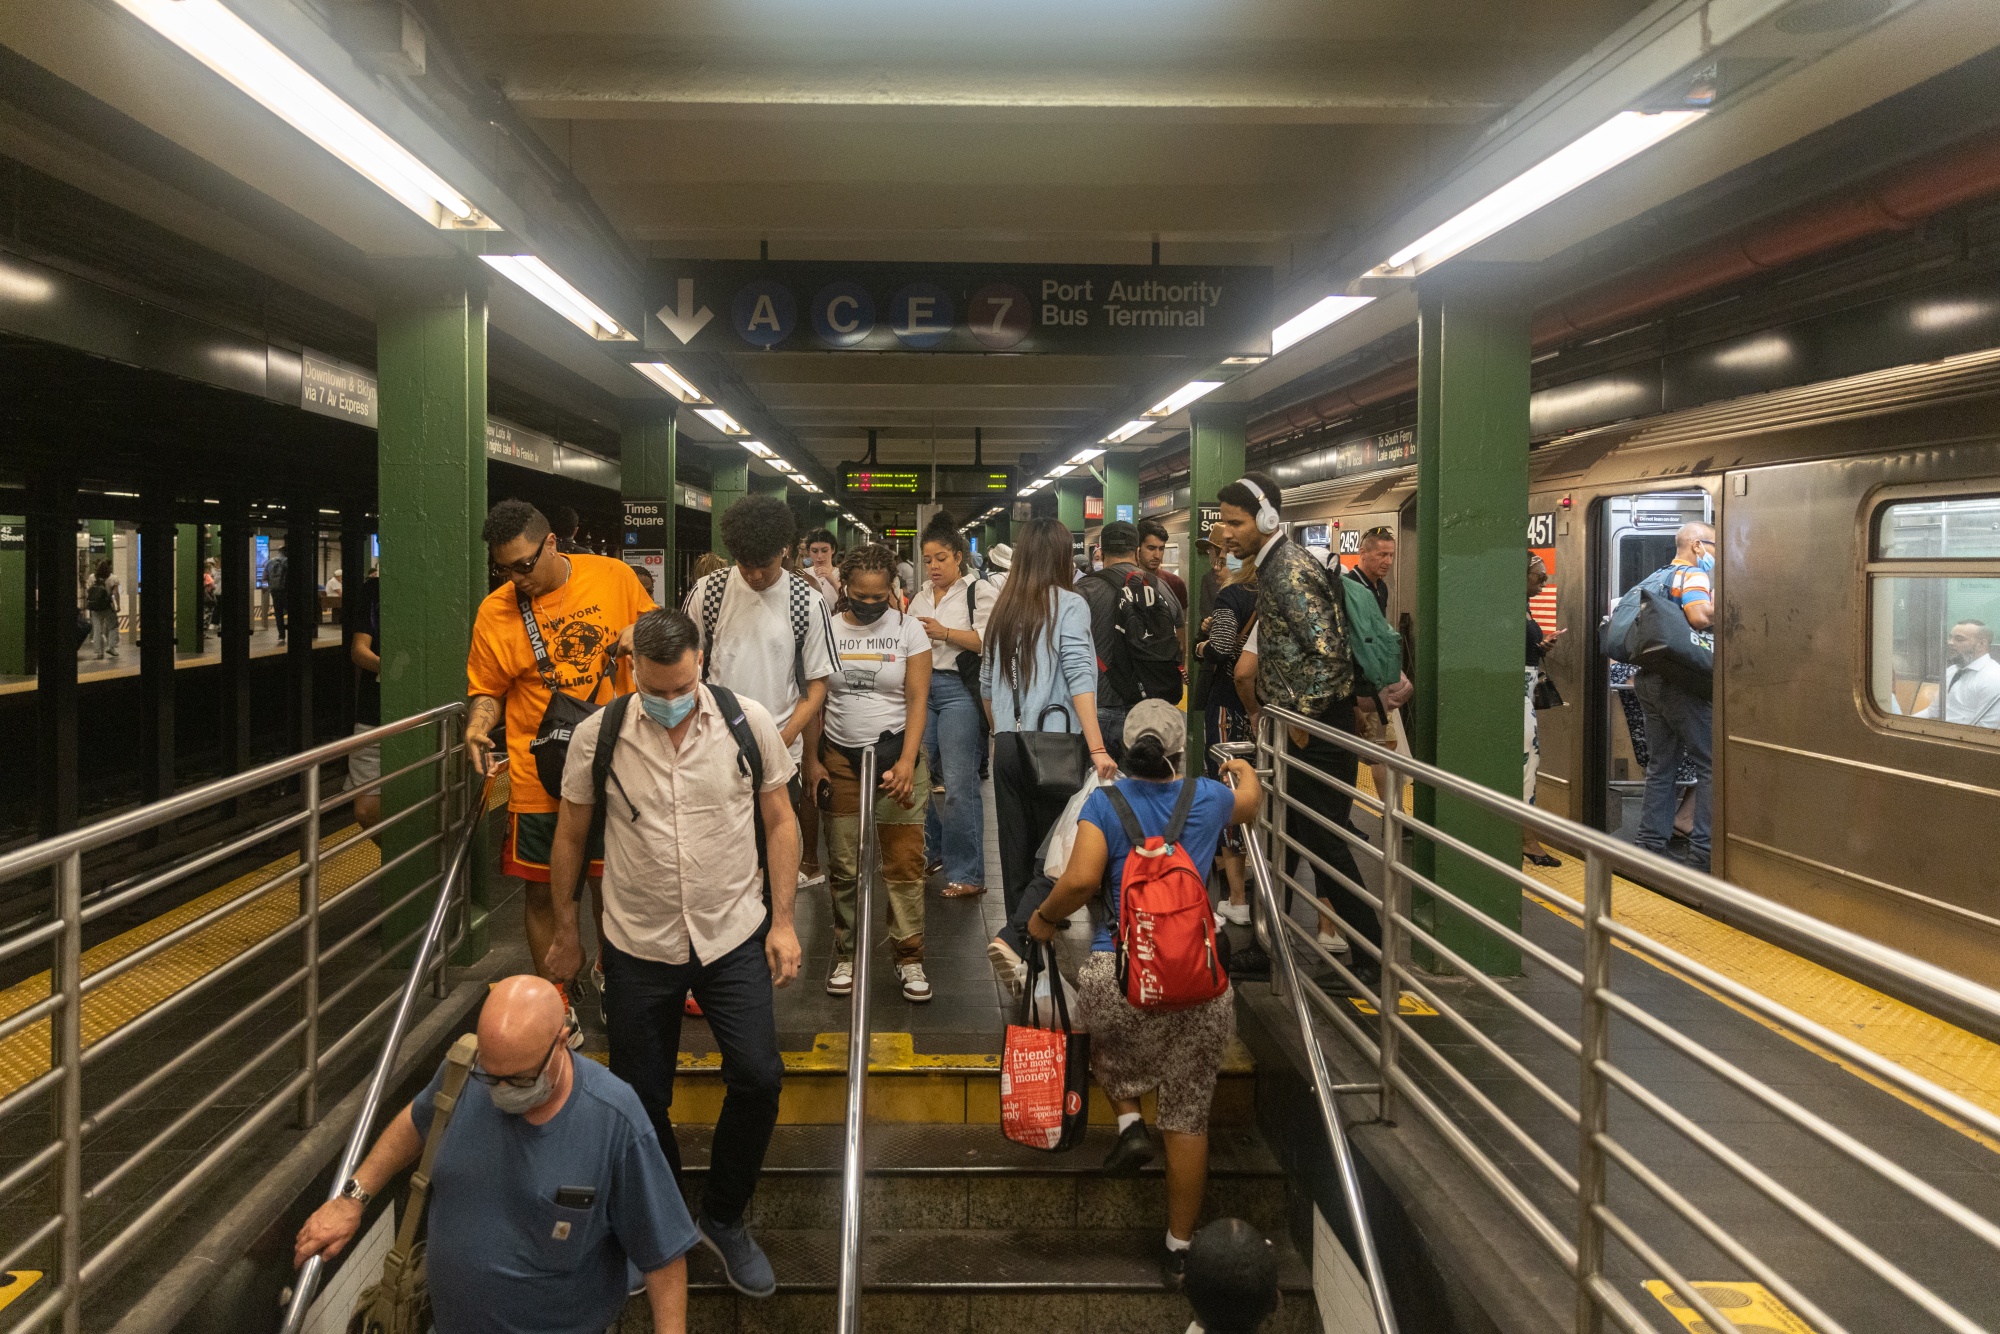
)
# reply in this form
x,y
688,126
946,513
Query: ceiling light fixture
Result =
x,y
1183,396
543,283
670,380
1083,456
1062,470
214,35
781,465
1314,318
851,519
1127,431
831,504
722,422
759,448
1624,136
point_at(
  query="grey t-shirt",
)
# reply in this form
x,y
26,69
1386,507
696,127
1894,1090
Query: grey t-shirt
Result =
x,y
504,1257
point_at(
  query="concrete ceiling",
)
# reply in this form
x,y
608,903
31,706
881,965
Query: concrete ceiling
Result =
x,y
1228,131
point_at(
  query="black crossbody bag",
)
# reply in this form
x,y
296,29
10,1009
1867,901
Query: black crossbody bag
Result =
x,y
550,748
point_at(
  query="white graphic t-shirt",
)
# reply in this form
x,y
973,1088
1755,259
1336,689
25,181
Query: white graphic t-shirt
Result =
x,y
865,696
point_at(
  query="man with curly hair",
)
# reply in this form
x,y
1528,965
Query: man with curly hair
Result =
x,y
766,633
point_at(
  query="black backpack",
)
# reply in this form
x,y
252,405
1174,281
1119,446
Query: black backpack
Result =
x,y
1146,658
98,596
749,761
967,662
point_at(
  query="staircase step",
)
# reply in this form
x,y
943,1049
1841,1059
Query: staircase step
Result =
x,y
906,1150
1011,1260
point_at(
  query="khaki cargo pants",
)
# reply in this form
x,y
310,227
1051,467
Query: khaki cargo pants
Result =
x,y
902,836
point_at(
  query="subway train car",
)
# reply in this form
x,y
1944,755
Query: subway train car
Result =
x,y
1858,521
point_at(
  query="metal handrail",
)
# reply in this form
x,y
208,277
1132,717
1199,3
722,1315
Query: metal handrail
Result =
x,y
851,1162
1324,1087
1392,1043
62,1158
429,958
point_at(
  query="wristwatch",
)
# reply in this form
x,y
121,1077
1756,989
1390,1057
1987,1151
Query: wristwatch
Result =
x,y
352,1191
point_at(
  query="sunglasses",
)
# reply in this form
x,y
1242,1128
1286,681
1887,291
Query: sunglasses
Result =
x,y
526,1080
524,568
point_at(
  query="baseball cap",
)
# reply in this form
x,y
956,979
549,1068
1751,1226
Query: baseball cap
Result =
x,y
1161,719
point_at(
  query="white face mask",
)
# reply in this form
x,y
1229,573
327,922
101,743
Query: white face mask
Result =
x,y
520,1101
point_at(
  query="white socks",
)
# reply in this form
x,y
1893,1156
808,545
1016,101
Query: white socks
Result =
x,y
1125,1119
1175,1243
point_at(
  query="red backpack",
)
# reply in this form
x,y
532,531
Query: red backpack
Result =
x,y
1166,932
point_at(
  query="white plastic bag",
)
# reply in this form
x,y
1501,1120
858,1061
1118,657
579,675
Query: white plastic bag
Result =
x,y
1038,1006
1062,834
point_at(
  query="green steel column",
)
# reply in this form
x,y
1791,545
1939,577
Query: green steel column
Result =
x,y
13,595
729,482
155,607
1069,504
1473,557
430,331
1215,459
649,441
1420,717
832,524
1121,485
187,588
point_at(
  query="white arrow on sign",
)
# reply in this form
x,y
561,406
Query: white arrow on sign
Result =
x,y
686,322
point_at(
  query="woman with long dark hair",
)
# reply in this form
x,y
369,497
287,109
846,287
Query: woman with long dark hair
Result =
x,y
954,606
1038,674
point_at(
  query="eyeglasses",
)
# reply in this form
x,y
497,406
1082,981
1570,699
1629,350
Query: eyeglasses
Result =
x,y
524,568
526,1080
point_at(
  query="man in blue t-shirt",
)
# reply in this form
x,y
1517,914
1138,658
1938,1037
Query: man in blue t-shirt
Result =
x,y
548,1190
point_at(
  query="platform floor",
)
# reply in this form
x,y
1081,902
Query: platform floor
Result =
x,y
264,643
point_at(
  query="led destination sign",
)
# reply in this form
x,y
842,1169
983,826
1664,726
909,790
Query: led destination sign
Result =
x,y
954,479
1188,310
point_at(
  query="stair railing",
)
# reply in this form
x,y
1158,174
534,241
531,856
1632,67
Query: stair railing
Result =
x,y
851,1161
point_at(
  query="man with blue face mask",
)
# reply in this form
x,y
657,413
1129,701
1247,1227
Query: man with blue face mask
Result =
x,y
688,908
548,1188
1679,723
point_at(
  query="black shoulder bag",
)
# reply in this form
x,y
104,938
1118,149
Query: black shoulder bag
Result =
x,y
1056,762
550,748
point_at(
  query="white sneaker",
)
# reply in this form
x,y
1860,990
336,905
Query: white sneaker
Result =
x,y
840,982
1332,944
575,1039
808,881
597,981
1239,913
916,987
1008,967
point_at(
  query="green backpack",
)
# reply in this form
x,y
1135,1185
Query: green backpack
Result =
x,y
1377,648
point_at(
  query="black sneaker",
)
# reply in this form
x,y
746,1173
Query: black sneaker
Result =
x,y
1173,1268
1133,1151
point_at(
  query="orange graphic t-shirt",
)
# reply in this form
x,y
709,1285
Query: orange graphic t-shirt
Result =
x,y
580,623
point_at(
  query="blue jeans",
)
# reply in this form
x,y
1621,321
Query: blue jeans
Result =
x,y
643,999
1678,725
955,828
1111,726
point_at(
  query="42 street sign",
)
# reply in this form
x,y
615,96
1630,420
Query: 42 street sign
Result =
x,y
816,306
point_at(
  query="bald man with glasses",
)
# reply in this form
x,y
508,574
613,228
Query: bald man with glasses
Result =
x,y
548,1190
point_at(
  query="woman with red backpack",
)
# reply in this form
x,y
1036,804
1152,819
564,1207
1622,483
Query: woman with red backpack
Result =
x,y
1154,994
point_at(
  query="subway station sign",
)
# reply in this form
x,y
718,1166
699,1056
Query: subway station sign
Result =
x,y
819,306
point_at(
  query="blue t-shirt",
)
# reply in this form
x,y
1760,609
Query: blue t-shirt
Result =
x,y
504,1257
1153,803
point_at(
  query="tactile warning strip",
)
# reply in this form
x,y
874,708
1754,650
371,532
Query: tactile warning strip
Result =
x,y
25,1056
1943,1053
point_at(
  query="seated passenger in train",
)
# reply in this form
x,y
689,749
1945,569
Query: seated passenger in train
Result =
x,y
1971,694
533,1222
698,898
1176,1053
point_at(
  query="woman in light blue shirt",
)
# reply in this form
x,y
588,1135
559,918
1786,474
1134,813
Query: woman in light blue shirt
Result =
x,y
1038,674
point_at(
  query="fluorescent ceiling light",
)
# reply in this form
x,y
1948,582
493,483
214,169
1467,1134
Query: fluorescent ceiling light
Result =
x,y
810,488
759,448
851,519
1244,361
722,422
547,286
1314,318
1624,136
670,380
1083,456
781,465
1183,396
1062,470
831,504
1127,431
1025,492
212,34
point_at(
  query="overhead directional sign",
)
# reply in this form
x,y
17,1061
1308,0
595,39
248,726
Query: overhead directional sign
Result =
x,y
817,306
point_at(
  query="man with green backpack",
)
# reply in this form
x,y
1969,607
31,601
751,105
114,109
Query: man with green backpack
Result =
x,y
1380,645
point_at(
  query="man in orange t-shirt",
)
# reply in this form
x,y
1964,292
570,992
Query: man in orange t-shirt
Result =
x,y
584,607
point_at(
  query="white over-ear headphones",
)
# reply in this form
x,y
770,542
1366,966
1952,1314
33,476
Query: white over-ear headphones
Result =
x,y
1267,515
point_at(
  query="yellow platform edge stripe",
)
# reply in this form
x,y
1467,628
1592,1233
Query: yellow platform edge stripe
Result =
x,y
24,1057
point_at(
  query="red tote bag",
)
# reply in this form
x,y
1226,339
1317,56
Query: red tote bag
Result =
x,y
1045,1073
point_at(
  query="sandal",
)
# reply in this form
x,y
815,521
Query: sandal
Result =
x,y
1541,859
955,890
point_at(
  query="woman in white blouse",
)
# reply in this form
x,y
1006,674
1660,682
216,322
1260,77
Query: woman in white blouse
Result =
x,y
953,606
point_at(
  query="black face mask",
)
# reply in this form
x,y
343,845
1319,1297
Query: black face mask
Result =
x,y
867,613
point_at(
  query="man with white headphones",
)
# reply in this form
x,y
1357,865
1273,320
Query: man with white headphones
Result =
x,y
1303,664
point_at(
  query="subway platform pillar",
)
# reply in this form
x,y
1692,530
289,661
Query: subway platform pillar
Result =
x,y
1069,506
1472,517
1121,486
14,601
431,465
649,443
157,541
728,482
1215,459
188,557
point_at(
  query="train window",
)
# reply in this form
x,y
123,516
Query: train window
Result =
x,y
1934,599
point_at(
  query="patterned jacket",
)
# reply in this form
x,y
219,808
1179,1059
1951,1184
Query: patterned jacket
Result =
x,y
1303,662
